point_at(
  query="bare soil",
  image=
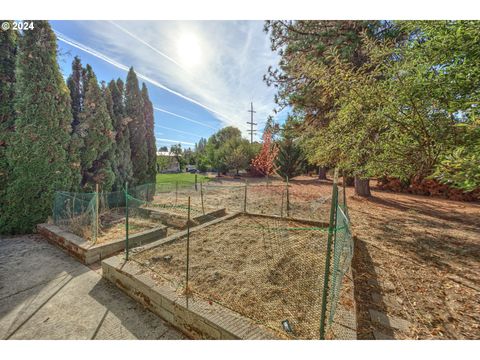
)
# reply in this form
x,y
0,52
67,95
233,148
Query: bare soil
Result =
x,y
417,258
305,199
116,230
269,270
111,226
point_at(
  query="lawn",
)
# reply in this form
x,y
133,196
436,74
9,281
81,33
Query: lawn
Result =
x,y
182,178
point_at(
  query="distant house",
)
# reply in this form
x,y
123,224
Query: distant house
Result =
x,y
167,162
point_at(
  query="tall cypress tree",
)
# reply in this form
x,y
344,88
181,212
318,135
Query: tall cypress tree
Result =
x,y
75,84
8,51
138,145
38,150
122,165
96,130
150,135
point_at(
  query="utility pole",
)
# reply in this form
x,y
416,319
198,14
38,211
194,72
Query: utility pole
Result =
x,y
251,123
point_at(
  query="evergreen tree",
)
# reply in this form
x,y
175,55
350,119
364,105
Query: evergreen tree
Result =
x,y
96,130
290,161
122,164
38,149
138,145
8,51
150,132
76,86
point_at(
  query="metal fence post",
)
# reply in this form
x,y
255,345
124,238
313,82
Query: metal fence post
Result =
x,y
245,197
97,207
196,182
188,248
331,230
176,192
201,196
281,206
126,220
288,200
344,184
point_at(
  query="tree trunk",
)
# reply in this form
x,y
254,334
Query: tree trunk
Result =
x,y
322,173
349,180
362,187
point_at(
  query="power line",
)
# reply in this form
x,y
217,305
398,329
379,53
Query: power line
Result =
x,y
251,123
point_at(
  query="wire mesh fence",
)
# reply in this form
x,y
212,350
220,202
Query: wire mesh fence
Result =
x,y
76,212
279,256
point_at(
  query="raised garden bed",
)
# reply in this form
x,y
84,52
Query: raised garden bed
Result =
x,y
89,252
247,274
171,217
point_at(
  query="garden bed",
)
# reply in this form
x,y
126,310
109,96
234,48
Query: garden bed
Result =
x,y
89,252
257,268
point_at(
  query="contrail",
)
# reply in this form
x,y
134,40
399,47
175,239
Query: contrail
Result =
x,y
179,131
175,141
148,45
105,58
183,117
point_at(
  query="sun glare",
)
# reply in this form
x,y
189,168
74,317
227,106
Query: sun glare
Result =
x,y
189,50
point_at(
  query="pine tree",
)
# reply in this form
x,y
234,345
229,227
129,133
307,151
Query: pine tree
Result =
x,y
290,161
138,145
122,165
150,132
38,150
8,51
96,130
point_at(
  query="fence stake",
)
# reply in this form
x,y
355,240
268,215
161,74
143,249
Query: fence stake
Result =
x,y
331,229
176,192
344,194
196,183
245,197
126,220
288,200
281,207
188,248
201,196
97,207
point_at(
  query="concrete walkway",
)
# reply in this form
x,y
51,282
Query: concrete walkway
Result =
x,y
46,294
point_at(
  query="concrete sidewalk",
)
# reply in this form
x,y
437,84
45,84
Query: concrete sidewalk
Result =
x,y
46,294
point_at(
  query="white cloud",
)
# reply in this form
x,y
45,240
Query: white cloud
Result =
x,y
234,57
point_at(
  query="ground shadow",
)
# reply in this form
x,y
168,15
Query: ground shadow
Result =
x,y
137,320
366,282
428,206
32,271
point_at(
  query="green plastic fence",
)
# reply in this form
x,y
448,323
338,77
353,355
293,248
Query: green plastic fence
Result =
x,y
86,213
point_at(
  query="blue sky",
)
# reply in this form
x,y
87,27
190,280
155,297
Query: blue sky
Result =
x,y
201,75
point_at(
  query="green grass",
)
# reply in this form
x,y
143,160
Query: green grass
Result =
x,y
182,178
